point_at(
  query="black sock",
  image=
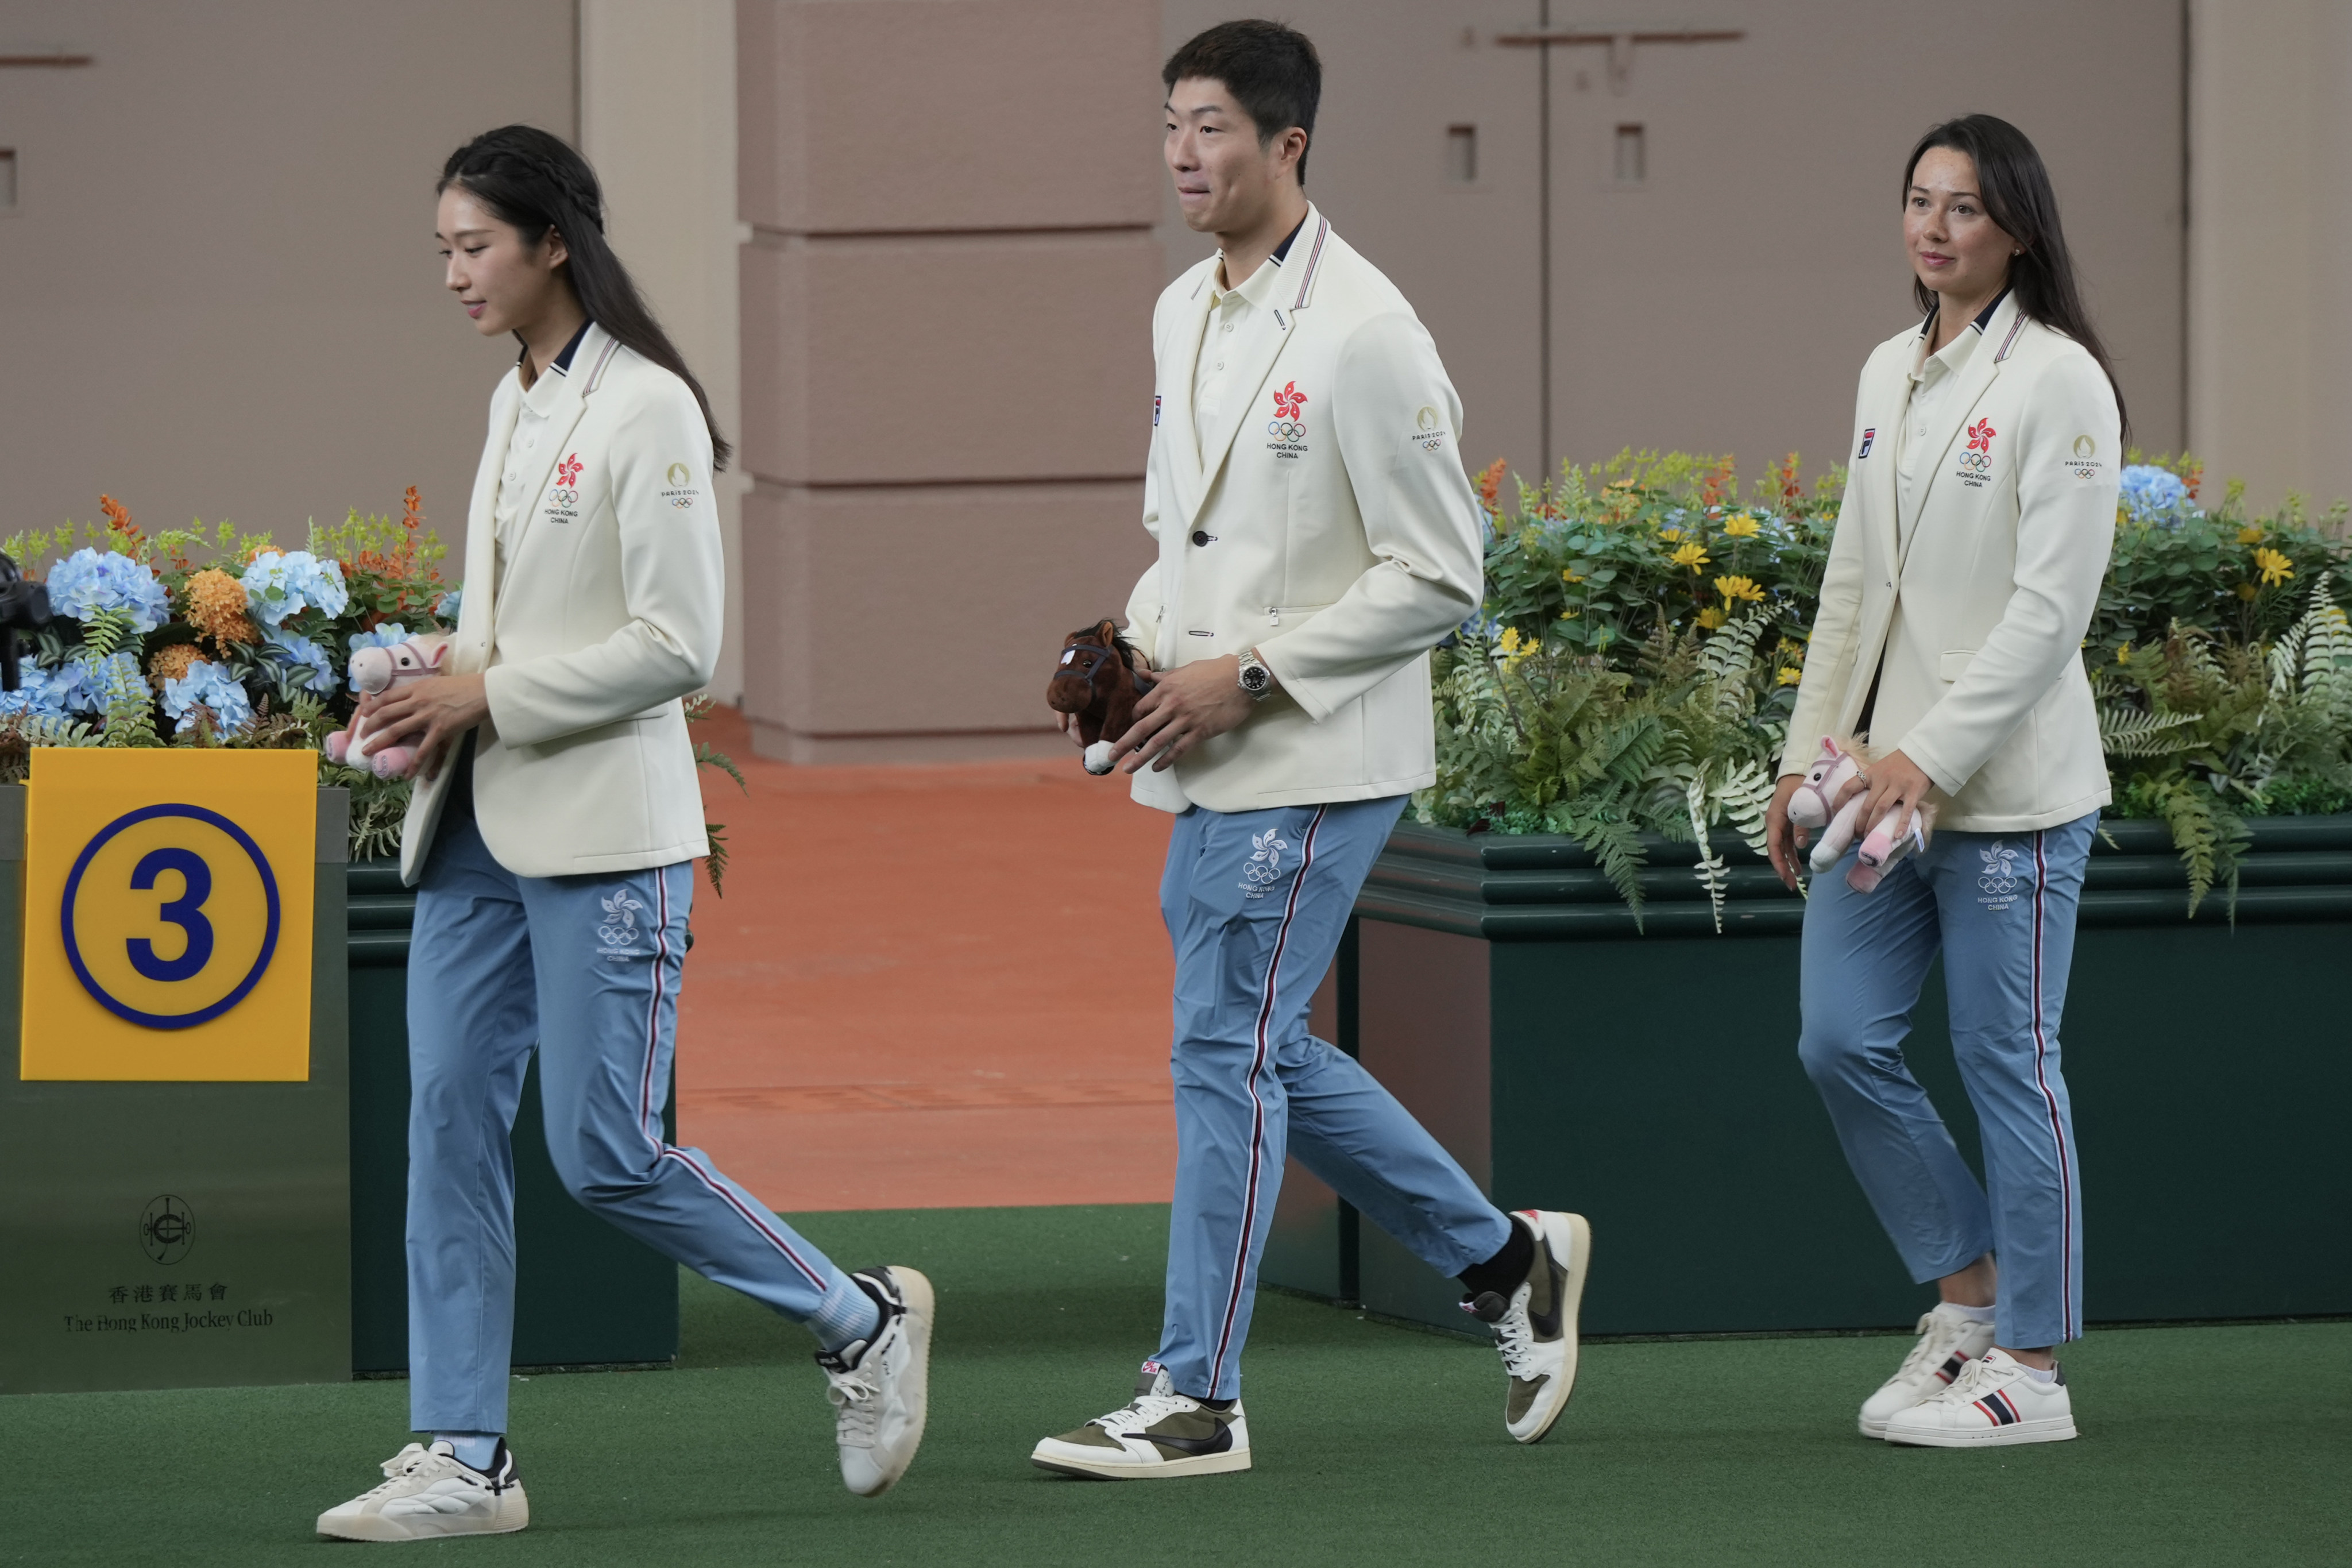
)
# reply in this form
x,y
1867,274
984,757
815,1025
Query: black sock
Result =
x,y
1219,1406
1507,1270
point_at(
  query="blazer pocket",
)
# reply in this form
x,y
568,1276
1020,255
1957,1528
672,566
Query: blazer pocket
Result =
x,y
1282,615
1954,664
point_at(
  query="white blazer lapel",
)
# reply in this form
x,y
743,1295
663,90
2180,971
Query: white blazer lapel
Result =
x,y
1288,300
1959,407
587,367
479,582
1181,356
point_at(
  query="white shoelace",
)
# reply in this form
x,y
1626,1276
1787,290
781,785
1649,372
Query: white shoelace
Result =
x,y
1976,1380
856,1397
1146,1412
1515,1338
1931,1346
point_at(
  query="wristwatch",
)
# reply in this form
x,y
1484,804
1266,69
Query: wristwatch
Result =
x,y
1256,679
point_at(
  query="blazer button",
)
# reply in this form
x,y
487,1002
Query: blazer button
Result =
x,y
1201,536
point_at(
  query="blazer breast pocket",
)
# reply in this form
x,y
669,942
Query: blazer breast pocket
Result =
x,y
1954,664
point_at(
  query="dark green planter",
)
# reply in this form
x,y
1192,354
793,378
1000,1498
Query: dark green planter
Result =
x,y
1650,1081
585,1294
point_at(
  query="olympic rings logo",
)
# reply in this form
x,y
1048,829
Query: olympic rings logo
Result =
x,y
679,503
566,498
1976,462
1287,429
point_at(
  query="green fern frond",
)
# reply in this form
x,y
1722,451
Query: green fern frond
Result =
x,y
1615,845
2125,733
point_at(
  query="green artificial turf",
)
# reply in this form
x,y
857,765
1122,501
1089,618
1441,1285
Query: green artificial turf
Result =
x,y
1373,1444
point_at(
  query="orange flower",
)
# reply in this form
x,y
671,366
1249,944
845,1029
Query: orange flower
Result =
x,y
172,663
117,518
1490,485
214,604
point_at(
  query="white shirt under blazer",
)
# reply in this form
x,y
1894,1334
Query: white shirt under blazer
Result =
x,y
1979,609
1324,521
608,615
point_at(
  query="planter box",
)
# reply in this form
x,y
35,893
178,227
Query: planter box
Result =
x,y
585,1294
1500,988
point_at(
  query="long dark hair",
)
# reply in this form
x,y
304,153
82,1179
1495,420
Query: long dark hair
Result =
x,y
2015,185
535,182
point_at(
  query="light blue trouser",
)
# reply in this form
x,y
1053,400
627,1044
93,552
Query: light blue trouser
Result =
x,y
1256,903
2001,906
587,969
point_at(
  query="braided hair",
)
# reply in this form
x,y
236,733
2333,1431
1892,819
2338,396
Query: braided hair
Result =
x,y
534,181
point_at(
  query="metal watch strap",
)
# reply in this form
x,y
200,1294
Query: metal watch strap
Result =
x,y
1260,689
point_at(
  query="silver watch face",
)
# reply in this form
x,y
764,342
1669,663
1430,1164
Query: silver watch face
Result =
x,y
1257,677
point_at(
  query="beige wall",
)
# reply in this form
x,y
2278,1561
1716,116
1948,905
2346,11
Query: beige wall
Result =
x,y
946,368
221,294
2271,259
1726,304
657,121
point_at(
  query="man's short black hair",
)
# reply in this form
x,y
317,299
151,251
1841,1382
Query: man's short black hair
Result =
x,y
1271,71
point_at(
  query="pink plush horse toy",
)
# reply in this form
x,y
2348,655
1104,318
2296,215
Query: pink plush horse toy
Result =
x,y
1810,809
375,669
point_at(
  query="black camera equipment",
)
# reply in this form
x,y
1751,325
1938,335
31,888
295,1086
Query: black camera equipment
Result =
x,y
24,607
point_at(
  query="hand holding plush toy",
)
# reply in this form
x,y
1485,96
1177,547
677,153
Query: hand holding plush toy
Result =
x,y
1887,841
1096,680
375,669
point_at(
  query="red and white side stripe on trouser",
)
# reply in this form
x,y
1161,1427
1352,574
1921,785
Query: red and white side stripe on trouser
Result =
x,y
1258,1106
649,1120
2050,1102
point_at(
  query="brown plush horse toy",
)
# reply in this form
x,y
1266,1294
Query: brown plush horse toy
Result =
x,y
1097,681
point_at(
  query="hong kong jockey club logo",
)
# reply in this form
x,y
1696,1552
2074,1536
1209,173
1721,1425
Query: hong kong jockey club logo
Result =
x,y
1289,426
1976,462
1264,863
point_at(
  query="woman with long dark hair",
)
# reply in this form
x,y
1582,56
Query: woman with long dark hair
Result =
x,y
1978,512
551,841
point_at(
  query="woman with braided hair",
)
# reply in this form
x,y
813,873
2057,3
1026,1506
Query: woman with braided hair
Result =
x,y
552,839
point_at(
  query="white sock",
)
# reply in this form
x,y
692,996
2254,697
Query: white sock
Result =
x,y
1967,1313
2037,1374
474,1450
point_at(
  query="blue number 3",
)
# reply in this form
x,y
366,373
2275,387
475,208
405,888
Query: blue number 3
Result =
x,y
184,911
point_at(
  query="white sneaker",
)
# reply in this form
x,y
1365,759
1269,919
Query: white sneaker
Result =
x,y
1158,1434
1947,1341
430,1492
880,1388
1993,1402
1536,1328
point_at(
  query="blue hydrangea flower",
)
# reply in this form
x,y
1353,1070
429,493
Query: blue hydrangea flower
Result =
x,y
38,695
391,634
2152,494
210,686
446,610
90,580
84,683
305,664
277,586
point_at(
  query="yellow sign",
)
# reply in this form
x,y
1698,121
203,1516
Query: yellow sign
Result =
x,y
167,915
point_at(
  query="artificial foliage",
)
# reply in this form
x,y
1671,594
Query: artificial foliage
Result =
x,y
214,637
1636,660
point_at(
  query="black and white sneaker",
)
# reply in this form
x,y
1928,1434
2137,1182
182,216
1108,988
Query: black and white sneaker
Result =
x,y
1535,1329
429,1492
1160,1433
880,1388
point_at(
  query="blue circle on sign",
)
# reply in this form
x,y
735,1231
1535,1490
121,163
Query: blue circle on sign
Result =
x,y
270,936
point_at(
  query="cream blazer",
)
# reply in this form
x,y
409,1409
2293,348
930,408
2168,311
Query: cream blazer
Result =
x,y
1980,621
1332,529
611,614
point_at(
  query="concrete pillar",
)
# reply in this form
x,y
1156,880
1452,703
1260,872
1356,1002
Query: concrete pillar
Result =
x,y
947,378
2269,245
657,121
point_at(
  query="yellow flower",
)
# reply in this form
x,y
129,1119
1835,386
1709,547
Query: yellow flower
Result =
x,y
1669,533
1739,525
1787,676
1567,614
1569,574
2247,590
1692,555
1790,645
2276,568
2250,536
2123,654
1511,639
1735,589
1712,617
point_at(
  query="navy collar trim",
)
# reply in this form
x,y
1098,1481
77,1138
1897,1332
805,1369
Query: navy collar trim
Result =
x,y
1283,248
563,364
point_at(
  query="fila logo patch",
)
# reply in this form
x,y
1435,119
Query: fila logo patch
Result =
x,y
1868,438
1155,411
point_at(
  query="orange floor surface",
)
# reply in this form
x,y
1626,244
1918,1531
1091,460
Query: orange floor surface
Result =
x,y
929,988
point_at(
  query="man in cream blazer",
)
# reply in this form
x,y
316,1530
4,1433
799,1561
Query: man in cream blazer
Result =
x,y
1317,538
